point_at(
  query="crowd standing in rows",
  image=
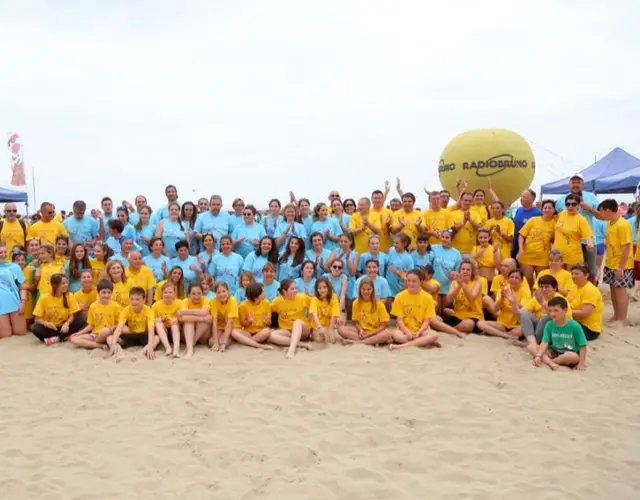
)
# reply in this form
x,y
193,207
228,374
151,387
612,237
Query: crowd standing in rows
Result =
x,y
361,271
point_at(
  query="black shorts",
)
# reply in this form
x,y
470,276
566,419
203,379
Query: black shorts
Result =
x,y
134,339
455,321
589,334
609,278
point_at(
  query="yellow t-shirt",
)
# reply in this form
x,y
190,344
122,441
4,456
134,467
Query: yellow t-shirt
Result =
x,y
121,292
157,295
465,237
618,235
143,278
260,312
102,316
484,285
289,310
367,317
379,218
410,228
563,277
46,271
86,299
533,306
166,312
13,234
588,294
434,283
538,234
506,316
507,227
188,304
47,231
479,213
435,221
570,230
137,322
486,258
413,308
362,238
462,308
97,266
496,284
51,309
29,275
325,310
221,313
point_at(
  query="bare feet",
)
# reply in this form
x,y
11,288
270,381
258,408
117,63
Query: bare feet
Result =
x,y
620,324
393,347
266,347
306,345
168,353
520,343
349,341
187,355
554,366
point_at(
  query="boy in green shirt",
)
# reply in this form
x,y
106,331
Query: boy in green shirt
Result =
x,y
563,341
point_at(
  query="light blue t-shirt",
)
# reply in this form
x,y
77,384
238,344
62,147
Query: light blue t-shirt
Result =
x,y
75,285
270,224
254,264
147,231
381,259
421,260
218,225
307,222
351,279
121,258
445,260
304,287
319,260
634,229
320,226
81,230
298,230
156,265
190,276
226,268
402,262
240,295
249,233
11,277
172,233
336,283
600,231
380,287
286,269
236,220
272,290
161,214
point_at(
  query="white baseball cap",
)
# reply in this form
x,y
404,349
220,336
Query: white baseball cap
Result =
x,y
577,175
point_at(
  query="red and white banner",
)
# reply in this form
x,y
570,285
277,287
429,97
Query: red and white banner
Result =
x,y
18,176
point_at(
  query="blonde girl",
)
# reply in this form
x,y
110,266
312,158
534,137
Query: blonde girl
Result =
x,y
48,267
324,311
206,283
486,255
176,276
88,292
166,317
246,278
101,254
535,240
115,272
33,251
254,317
224,314
413,309
293,325
195,316
370,318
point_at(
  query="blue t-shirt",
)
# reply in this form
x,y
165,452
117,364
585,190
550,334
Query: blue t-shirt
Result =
x,y
11,277
190,276
422,260
298,230
226,268
81,230
272,290
445,260
254,264
634,229
149,232
217,225
249,233
303,287
288,270
318,260
402,262
600,232
331,224
380,287
519,220
381,259
156,265
172,233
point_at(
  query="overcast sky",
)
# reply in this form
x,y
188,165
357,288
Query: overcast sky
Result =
x,y
254,98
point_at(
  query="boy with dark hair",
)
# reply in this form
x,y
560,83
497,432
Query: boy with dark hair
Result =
x,y
102,319
563,342
618,264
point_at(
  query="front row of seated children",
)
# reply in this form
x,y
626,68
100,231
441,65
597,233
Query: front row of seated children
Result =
x,y
292,318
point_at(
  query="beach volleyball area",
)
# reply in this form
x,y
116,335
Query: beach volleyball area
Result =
x,y
472,420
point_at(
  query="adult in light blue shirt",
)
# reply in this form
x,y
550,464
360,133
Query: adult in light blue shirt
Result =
x,y
446,259
328,227
189,264
226,265
237,217
214,221
288,228
118,233
255,261
171,192
81,228
156,262
273,219
381,259
307,287
144,235
246,236
140,202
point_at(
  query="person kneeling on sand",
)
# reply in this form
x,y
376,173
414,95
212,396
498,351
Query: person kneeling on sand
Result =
x,y
563,342
102,320
413,308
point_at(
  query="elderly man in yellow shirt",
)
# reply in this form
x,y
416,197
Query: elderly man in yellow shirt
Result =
x,y
12,230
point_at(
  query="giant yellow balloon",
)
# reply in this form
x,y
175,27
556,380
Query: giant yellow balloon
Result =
x,y
493,155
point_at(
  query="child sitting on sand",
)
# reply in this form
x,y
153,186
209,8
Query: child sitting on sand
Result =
x,y
102,319
254,316
563,342
136,327
370,318
165,313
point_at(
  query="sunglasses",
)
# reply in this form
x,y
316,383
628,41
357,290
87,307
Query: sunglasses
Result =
x,y
50,212
571,204
11,211
248,214
349,205
336,267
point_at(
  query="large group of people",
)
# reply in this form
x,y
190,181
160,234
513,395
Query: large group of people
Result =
x,y
373,271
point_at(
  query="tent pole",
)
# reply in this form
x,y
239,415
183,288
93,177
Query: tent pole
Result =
x,y
33,181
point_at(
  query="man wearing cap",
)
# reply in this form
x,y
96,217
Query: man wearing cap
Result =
x,y
589,210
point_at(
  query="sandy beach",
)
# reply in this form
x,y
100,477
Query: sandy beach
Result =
x,y
473,420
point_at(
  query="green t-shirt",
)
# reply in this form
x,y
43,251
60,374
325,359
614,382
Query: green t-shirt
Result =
x,y
567,338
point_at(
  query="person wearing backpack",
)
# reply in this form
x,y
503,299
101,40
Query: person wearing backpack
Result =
x,y
13,231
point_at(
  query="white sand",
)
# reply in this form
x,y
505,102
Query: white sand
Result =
x,y
473,420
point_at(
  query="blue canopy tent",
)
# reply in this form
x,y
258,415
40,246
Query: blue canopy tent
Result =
x,y
9,195
610,174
